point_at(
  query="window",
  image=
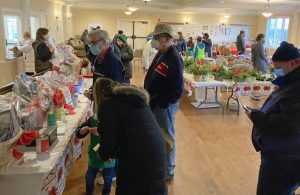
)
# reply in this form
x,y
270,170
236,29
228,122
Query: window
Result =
x,y
12,30
34,25
277,31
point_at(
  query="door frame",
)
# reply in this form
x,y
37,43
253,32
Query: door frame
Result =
x,y
133,37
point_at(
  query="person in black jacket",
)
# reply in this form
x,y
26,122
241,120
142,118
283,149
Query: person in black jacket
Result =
x,y
164,83
43,52
130,133
276,131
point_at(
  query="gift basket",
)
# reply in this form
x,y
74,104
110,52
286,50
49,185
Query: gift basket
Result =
x,y
32,100
10,131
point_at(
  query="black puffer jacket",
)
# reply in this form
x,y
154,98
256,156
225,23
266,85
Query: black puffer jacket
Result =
x,y
130,131
277,124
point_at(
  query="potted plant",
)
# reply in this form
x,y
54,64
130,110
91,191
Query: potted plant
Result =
x,y
240,76
218,72
188,63
200,72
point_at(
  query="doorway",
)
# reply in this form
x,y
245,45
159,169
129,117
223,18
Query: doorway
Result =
x,y
136,32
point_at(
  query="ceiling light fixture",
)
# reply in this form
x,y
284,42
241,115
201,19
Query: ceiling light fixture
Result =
x,y
128,13
146,1
132,9
227,15
267,13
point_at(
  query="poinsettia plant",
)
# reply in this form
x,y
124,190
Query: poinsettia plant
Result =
x,y
218,71
199,70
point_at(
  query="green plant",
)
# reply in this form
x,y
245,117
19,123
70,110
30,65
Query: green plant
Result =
x,y
188,63
199,70
228,74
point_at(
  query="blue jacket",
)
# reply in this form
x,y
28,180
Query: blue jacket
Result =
x,y
181,46
109,66
276,128
208,47
164,80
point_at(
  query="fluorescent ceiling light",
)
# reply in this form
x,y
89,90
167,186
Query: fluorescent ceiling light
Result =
x,y
132,9
227,16
128,13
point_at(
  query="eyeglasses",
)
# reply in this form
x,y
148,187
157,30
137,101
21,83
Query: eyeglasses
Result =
x,y
94,42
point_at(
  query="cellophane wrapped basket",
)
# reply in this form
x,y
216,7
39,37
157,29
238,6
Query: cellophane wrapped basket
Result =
x,y
10,131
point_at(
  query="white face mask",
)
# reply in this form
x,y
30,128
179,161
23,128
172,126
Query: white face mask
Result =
x,y
155,44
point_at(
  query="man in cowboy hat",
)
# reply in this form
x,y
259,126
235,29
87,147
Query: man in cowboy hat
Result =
x,y
276,131
164,82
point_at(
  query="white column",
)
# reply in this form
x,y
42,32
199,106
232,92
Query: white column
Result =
x,y
26,15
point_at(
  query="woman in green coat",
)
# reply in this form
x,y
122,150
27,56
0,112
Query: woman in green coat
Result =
x,y
126,56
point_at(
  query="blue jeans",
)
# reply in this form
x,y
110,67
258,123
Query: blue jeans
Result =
x,y
90,177
166,118
278,176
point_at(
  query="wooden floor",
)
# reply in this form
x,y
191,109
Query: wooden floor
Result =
x,y
214,152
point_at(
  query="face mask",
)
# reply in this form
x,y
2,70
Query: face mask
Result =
x,y
279,72
95,49
119,43
155,44
46,37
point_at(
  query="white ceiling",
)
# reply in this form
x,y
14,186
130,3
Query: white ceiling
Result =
x,y
238,7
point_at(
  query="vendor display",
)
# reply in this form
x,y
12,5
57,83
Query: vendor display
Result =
x,y
240,78
35,121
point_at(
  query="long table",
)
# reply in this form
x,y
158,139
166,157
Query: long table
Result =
x,y
204,99
46,173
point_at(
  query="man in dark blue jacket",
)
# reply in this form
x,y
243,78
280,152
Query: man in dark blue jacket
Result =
x,y
164,83
104,60
276,131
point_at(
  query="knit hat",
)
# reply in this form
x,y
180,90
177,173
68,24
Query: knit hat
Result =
x,y
286,52
122,37
163,29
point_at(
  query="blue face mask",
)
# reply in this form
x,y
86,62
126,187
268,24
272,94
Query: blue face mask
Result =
x,y
95,49
279,72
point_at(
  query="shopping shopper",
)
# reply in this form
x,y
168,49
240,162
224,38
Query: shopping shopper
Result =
x,y
95,164
240,42
126,56
164,82
85,40
200,50
190,47
106,63
181,44
43,51
28,53
130,132
208,45
259,59
276,131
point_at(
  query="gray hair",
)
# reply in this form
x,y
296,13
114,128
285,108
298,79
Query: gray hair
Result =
x,y
100,35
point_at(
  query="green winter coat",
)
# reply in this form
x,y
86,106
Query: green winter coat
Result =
x,y
126,58
94,161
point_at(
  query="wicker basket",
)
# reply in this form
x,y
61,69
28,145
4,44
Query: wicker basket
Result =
x,y
6,149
